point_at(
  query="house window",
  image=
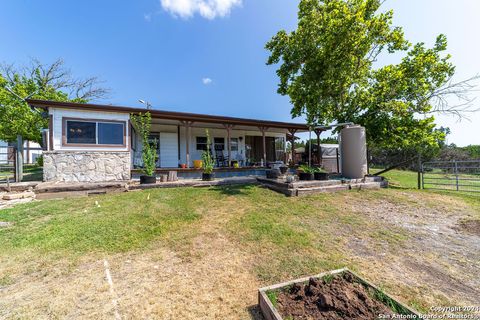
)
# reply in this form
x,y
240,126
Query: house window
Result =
x,y
234,144
219,143
94,132
80,132
201,143
110,133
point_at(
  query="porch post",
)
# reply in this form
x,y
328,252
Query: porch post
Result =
x,y
292,133
319,149
229,127
263,130
187,125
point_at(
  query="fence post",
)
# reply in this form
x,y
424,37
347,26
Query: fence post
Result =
x,y
419,171
456,174
338,162
19,160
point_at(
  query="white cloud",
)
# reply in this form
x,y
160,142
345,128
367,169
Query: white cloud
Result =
x,y
209,9
147,17
206,81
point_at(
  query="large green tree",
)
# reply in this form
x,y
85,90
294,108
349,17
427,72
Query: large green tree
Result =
x,y
329,69
38,81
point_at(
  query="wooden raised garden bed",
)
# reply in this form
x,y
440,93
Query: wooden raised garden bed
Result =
x,y
338,294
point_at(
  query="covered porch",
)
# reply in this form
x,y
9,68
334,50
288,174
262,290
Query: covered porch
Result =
x,y
240,147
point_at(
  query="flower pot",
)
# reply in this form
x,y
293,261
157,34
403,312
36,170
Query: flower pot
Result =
x,y
183,166
272,174
148,179
283,170
208,176
321,175
305,176
197,164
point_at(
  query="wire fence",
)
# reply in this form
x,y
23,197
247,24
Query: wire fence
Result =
x,y
451,175
7,164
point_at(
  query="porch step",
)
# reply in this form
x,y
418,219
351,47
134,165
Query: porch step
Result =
x,y
18,186
302,188
51,187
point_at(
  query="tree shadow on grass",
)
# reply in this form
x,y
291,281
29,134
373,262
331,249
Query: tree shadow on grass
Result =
x,y
232,190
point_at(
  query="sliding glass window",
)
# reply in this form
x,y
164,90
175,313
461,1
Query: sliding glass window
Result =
x,y
79,132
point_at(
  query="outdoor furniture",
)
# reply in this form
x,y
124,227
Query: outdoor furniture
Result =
x,y
221,159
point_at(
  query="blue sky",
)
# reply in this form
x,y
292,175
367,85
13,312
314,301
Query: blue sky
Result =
x,y
185,55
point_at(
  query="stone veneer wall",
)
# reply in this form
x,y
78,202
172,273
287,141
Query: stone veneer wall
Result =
x,y
86,166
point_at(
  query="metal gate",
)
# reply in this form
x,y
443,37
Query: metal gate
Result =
x,y
451,175
7,164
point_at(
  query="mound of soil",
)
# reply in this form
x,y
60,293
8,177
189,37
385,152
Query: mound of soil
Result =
x,y
340,297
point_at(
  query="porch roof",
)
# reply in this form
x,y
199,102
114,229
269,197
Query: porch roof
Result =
x,y
170,115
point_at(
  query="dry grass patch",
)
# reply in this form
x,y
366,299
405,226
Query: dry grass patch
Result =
x,y
202,253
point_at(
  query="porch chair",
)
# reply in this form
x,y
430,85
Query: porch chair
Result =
x,y
221,159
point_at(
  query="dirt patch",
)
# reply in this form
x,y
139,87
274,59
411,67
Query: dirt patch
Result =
x,y
340,297
4,224
469,226
437,254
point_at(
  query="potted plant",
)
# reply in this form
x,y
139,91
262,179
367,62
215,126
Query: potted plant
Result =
x,y
142,124
272,173
320,174
305,172
207,162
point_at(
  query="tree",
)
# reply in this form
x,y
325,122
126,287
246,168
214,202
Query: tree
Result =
x,y
328,71
38,81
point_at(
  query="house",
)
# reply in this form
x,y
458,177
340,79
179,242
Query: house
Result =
x,y
92,143
31,152
3,152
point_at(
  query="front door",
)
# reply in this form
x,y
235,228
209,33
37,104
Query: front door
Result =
x,y
168,150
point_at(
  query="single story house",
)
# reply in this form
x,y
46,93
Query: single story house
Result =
x,y
92,143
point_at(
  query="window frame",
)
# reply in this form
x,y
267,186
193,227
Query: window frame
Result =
x,y
65,143
219,144
236,144
201,143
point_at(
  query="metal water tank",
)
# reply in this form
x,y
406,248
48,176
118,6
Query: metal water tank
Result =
x,y
353,151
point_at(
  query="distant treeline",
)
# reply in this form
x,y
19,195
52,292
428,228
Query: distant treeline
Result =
x,y
386,158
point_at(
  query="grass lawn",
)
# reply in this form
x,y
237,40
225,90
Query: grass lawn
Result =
x,y
30,173
403,179
197,253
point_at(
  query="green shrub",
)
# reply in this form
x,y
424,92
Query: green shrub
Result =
x,y
142,124
39,161
307,169
207,159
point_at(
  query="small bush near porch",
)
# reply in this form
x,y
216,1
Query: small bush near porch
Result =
x,y
202,253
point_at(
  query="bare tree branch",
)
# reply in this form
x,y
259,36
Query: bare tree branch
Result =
x,y
58,77
441,99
